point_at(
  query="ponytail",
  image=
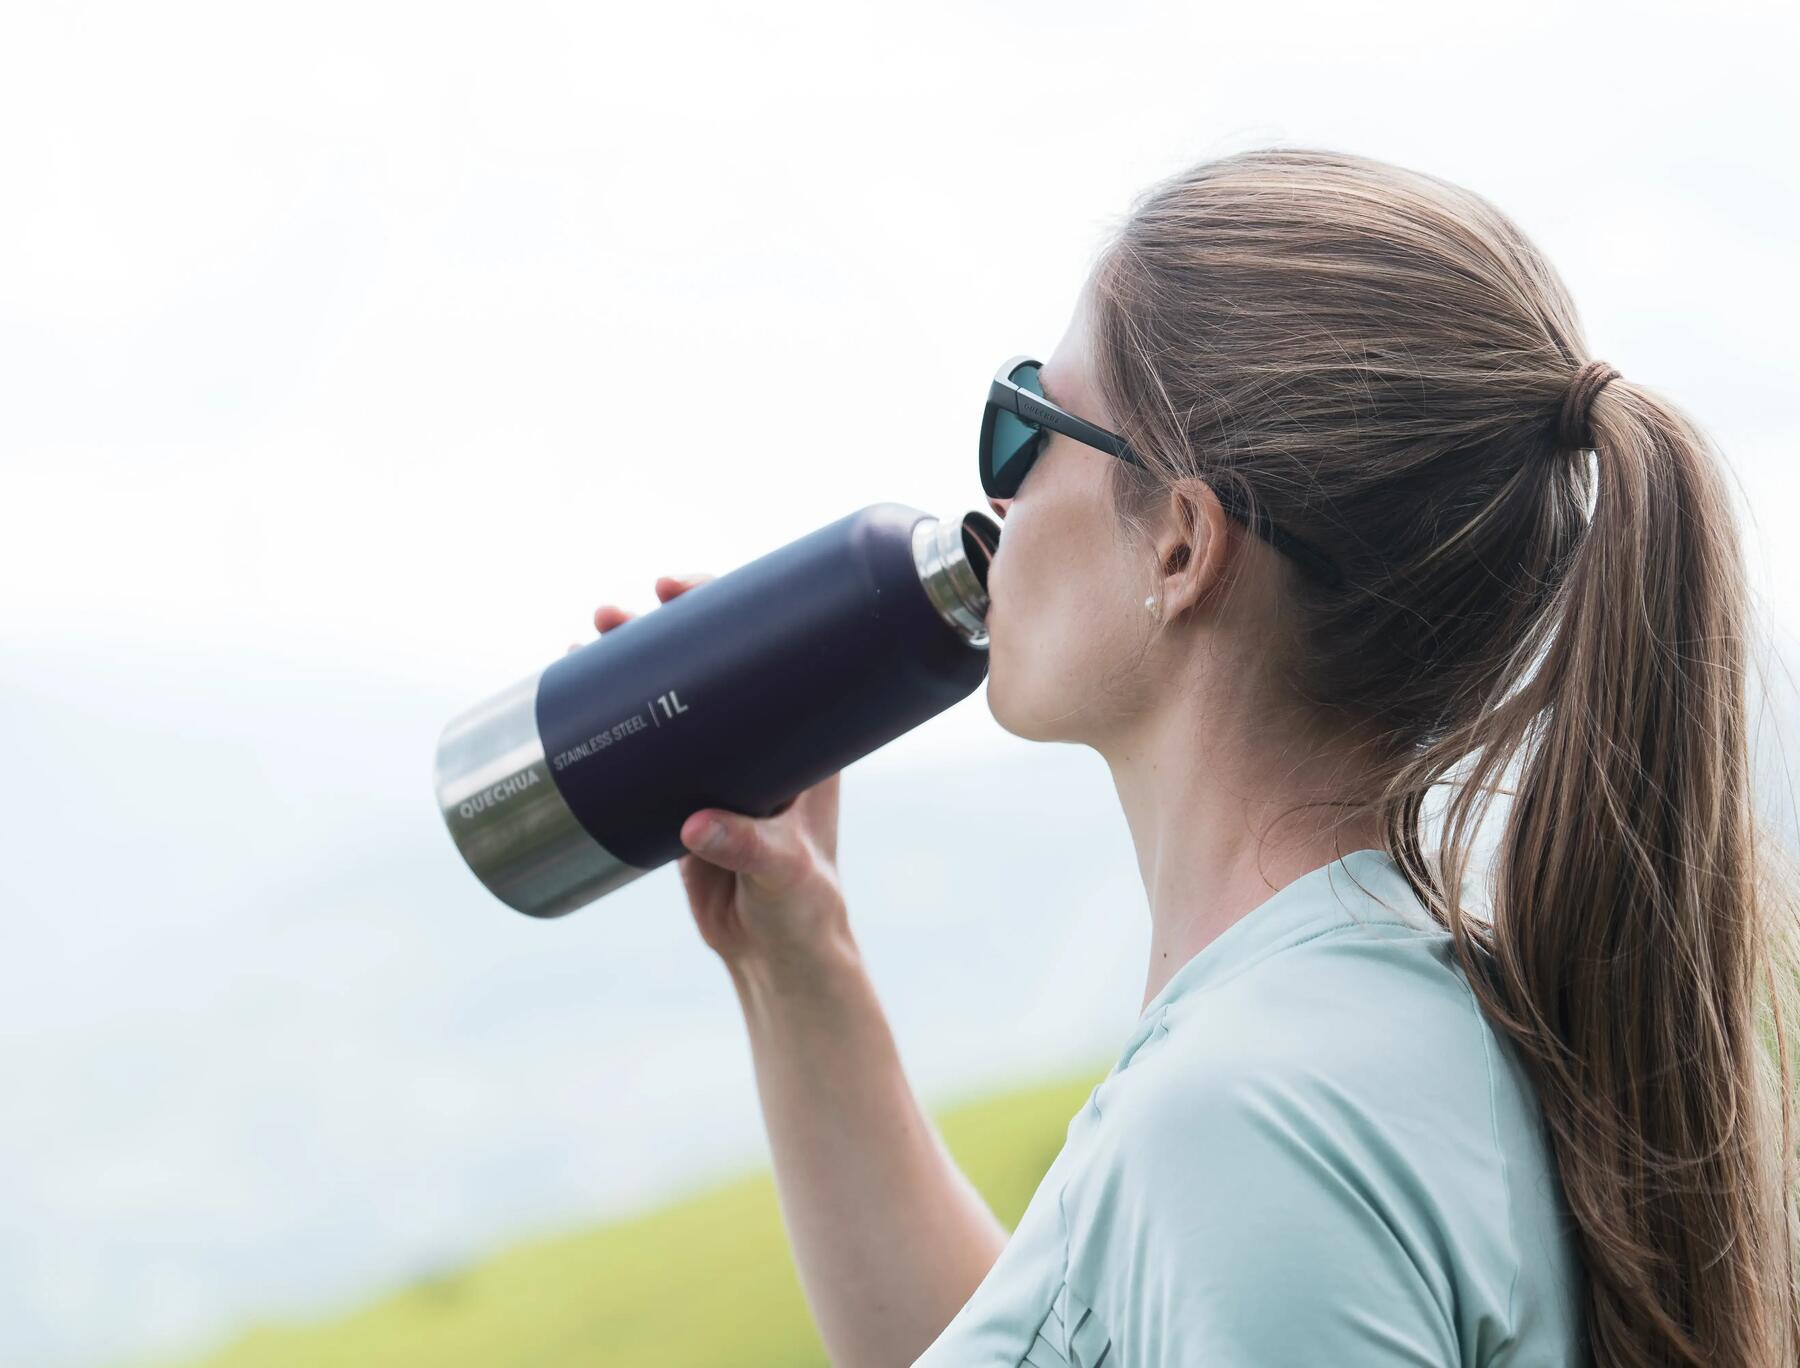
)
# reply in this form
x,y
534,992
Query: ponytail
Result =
x,y
1635,955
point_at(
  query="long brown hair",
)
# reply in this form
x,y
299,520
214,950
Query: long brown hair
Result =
x,y
1378,361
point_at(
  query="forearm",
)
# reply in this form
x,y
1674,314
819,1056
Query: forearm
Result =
x,y
889,1236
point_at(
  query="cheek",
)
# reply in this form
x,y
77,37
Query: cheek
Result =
x,y
1046,615
1001,570
1054,583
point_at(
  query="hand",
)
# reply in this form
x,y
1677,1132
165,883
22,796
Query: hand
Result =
x,y
769,893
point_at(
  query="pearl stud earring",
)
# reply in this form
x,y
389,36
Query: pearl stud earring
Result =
x,y
1150,602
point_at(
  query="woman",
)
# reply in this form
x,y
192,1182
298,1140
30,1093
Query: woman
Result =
x,y
1331,509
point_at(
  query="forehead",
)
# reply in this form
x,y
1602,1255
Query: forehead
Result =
x,y
1065,375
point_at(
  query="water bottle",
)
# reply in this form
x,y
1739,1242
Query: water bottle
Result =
x,y
739,694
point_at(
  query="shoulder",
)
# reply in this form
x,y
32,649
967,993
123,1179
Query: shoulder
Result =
x,y
1365,1024
1228,1216
1309,1150
1377,1107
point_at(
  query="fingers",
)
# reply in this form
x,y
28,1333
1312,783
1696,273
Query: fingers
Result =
x,y
739,844
609,615
672,586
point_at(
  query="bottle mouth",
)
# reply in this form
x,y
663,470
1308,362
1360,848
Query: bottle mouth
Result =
x,y
952,557
980,539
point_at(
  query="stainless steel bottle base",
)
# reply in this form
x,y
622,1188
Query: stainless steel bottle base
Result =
x,y
507,816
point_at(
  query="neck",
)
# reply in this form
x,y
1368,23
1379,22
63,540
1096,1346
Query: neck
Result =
x,y
1211,814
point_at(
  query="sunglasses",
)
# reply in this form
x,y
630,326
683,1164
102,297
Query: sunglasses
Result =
x,y
1012,437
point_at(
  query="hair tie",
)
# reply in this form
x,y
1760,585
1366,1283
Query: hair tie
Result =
x,y
1572,431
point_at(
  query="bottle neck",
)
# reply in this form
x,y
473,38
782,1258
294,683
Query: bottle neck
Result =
x,y
952,555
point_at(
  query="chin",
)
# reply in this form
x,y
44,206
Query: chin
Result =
x,y
996,702
1006,713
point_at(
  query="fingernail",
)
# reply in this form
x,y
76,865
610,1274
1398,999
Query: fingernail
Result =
x,y
711,837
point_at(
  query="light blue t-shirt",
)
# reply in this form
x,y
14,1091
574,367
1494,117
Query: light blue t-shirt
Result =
x,y
1314,1149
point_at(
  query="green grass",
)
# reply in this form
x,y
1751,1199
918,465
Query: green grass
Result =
x,y
706,1282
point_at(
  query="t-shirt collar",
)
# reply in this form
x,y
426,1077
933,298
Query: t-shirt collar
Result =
x,y
1356,884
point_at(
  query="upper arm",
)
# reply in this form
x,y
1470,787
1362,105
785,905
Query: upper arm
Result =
x,y
1239,1219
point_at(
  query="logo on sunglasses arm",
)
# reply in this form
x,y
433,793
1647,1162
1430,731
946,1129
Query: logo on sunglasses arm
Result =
x,y
1027,404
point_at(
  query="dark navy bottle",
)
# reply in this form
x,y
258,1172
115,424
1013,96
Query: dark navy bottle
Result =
x,y
738,694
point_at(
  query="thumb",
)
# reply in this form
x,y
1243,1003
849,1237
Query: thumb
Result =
x,y
729,840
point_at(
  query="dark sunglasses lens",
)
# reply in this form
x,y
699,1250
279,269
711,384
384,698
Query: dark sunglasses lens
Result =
x,y
1015,441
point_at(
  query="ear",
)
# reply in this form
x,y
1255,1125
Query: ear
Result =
x,y
1194,546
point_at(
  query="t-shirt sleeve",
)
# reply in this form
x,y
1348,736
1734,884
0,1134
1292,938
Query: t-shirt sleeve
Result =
x,y
1247,1218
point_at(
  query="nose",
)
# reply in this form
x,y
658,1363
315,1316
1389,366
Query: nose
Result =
x,y
999,506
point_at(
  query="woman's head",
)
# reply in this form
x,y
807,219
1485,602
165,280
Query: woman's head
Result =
x,y
1077,606
1372,357
1377,361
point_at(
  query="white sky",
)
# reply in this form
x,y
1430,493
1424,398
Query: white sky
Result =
x,y
405,335
351,354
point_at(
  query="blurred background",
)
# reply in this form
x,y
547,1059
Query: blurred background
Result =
x,y
351,354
